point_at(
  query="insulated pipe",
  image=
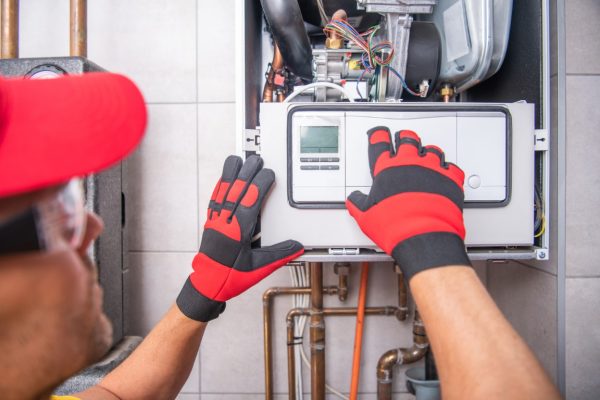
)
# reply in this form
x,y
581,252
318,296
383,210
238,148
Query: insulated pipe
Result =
x,y
10,29
391,358
267,328
78,24
291,340
317,333
360,315
287,25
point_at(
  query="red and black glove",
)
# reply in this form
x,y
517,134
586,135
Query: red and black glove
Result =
x,y
226,264
414,209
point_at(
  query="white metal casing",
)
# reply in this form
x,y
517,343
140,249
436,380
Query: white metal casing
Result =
x,y
495,225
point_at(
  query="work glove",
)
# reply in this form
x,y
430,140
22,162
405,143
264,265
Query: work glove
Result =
x,y
226,264
414,209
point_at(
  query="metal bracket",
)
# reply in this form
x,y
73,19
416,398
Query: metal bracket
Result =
x,y
342,251
252,140
541,140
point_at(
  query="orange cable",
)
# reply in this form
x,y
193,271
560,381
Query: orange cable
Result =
x,y
360,316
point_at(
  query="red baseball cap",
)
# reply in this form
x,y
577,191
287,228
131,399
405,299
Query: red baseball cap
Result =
x,y
52,130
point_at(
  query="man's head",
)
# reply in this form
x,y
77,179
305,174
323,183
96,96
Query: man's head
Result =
x,y
52,132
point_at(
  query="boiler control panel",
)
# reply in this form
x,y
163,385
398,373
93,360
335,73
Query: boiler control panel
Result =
x,y
328,151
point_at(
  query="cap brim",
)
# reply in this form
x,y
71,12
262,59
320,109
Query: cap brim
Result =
x,y
55,129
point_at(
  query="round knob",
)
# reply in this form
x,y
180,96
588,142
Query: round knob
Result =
x,y
474,181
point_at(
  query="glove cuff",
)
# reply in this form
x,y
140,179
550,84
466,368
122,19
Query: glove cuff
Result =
x,y
430,250
197,306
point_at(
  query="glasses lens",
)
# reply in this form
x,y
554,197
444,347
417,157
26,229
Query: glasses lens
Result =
x,y
73,203
63,217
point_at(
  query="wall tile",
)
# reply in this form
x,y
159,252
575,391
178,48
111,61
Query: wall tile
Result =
x,y
583,180
527,297
43,28
155,279
162,207
582,338
192,385
152,41
216,140
216,51
189,396
582,32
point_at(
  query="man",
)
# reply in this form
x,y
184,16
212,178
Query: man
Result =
x,y
50,303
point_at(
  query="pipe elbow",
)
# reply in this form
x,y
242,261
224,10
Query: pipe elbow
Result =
x,y
413,353
385,365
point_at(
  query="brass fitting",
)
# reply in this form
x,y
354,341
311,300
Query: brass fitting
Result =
x,y
334,43
447,93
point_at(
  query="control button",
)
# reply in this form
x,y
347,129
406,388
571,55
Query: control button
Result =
x,y
329,167
309,167
474,181
308,159
329,159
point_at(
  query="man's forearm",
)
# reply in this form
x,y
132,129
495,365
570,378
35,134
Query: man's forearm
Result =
x,y
478,353
159,367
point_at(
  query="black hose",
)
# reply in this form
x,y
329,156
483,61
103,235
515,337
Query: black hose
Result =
x,y
287,25
430,368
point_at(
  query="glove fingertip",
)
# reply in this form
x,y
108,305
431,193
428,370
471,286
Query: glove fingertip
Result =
x,y
357,199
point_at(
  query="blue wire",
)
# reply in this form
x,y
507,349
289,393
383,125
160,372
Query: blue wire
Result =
x,y
404,85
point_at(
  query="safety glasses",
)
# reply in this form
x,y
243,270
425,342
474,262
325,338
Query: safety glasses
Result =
x,y
52,224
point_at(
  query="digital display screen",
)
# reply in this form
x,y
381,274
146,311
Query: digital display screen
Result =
x,y
319,139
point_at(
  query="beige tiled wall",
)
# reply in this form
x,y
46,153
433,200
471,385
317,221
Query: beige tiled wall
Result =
x,y
582,198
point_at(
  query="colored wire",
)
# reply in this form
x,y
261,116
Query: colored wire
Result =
x,y
543,228
381,53
404,85
358,82
374,55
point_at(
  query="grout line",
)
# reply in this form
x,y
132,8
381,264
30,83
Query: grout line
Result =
x,y
561,197
197,360
582,276
582,74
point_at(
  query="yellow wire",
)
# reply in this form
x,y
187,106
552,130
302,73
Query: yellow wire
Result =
x,y
543,229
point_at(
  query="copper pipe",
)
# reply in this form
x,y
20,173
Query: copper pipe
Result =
x,y
276,66
78,25
358,333
391,358
342,270
317,333
267,329
10,29
402,295
291,340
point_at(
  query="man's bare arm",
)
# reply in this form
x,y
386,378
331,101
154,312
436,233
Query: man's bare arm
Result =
x,y
478,353
159,367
